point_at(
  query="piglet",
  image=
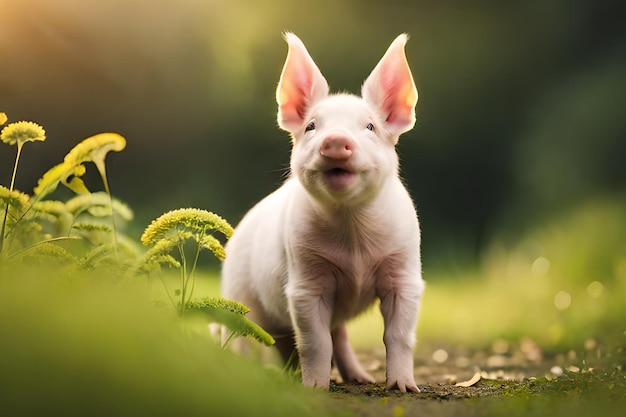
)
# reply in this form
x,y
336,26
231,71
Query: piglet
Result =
x,y
342,230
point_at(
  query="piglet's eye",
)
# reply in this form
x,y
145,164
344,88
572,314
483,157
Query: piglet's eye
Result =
x,y
309,127
370,127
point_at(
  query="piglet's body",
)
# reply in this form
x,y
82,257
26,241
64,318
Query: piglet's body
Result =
x,y
342,230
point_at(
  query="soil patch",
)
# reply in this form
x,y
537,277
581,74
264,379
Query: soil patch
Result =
x,y
456,381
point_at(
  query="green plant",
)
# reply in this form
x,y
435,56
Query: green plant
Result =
x,y
29,221
86,225
17,133
232,315
186,232
171,232
93,149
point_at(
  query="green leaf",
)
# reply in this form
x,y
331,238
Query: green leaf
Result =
x,y
98,204
211,243
46,253
92,227
232,315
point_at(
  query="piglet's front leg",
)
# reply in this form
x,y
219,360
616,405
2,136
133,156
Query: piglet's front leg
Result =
x,y
310,316
399,306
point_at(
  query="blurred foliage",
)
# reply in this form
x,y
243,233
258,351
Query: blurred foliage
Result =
x,y
519,113
564,283
561,284
91,347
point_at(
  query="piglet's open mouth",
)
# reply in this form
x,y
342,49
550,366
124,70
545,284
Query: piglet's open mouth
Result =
x,y
339,178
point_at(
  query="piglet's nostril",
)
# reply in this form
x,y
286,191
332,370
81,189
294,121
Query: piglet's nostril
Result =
x,y
337,147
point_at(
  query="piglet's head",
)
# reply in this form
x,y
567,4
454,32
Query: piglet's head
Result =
x,y
344,145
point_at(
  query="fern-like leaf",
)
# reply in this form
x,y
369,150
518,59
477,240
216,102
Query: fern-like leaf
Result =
x,y
167,260
47,254
92,227
98,204
55,213
220,303
53,207
13,198
211,243
96,256
232,315
156,256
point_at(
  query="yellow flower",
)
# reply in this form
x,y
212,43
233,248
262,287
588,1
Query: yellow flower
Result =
x,y
211,243
3,118
22,132
160,249
13,197
197,221
95,148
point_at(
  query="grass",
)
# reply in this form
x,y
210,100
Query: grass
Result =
x,y
89,347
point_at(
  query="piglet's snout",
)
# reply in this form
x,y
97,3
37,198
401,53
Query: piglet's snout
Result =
x,y
337,147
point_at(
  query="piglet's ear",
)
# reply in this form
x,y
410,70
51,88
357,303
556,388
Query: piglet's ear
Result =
x,y
300,85
391,90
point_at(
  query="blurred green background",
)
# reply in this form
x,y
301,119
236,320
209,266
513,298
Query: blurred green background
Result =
x,y
520,113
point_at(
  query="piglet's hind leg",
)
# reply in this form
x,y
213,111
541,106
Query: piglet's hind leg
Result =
x,y
346,360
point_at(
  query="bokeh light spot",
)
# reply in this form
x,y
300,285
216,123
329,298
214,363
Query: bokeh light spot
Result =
x,y
540,266
595,289
562,300
440,356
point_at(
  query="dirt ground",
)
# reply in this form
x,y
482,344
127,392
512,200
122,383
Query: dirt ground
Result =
x,y
457,367
453,373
